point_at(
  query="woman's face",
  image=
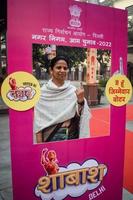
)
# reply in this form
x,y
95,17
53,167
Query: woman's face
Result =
x,y
59,71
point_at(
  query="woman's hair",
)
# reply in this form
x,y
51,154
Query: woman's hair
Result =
x,y
56,59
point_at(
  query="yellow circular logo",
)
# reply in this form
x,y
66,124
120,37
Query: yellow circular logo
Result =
x,y
118,90
20,91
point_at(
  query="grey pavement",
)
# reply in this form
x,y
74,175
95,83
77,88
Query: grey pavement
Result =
x,y
129,125
5,160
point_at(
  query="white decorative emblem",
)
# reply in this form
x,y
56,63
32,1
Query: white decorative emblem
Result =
x,y
75,12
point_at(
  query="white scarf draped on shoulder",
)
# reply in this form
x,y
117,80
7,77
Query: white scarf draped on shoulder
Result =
x,y
58,104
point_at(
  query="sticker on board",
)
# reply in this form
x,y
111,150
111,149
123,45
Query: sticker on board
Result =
x,y
74,180
20,91
118,90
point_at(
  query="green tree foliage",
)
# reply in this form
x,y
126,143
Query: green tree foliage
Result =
x,y
75,55
38,53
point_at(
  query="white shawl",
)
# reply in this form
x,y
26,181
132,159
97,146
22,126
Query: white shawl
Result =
x,y
58,104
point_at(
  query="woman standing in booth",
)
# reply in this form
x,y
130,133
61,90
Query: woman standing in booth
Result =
x,y
62,112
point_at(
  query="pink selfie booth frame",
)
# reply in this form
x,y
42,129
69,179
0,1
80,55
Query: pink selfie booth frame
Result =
x,y
30,22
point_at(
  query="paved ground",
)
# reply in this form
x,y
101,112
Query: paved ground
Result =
x,y
5,164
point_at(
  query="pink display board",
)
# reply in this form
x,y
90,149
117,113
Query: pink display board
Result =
x,y
90,168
